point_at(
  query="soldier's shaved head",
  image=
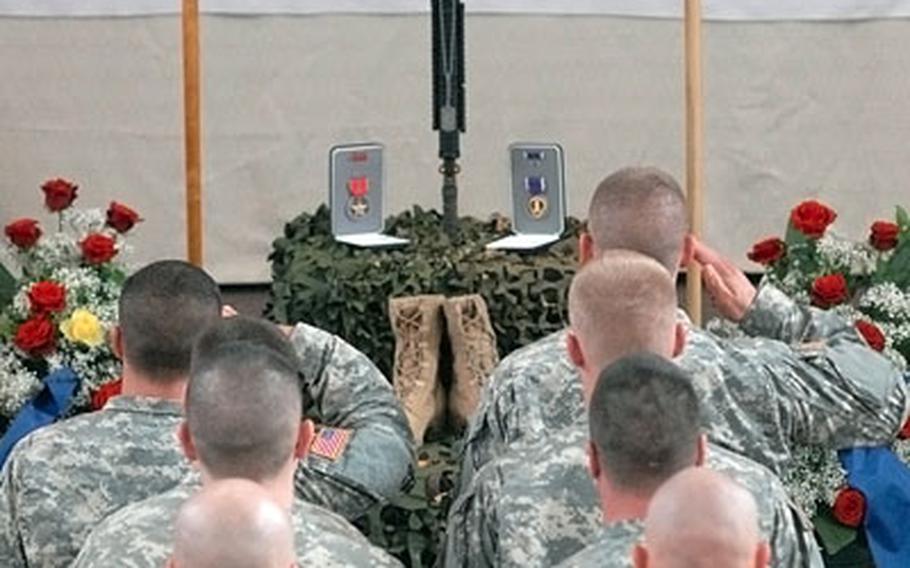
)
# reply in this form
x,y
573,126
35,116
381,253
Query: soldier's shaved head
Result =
x,y
640,209
233,523
243,410
701,518
621,303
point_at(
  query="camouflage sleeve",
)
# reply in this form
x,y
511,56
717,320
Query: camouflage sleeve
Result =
x,y
791,539
502,417
837,391
471,531
775,315
350,393
10,542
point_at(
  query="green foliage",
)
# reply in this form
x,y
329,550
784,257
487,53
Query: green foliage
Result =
x,y
345,290
832,535
7,287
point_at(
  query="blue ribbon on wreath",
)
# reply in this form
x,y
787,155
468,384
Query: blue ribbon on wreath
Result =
x,y
51,402
885,483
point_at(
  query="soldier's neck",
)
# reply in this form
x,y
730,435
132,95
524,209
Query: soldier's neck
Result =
x,y
617,506
280,487
137,384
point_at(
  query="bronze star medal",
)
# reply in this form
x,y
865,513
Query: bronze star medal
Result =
x,y
358,204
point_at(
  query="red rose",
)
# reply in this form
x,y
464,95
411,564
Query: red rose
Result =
x,y
884,235
850,507
98,248
59,194
829,290
46,297
36,336
904,434
872,334
106,392
811,218
23,232
121,217
767,251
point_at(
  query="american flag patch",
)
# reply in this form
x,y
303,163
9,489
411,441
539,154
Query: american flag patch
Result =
x,y
330,443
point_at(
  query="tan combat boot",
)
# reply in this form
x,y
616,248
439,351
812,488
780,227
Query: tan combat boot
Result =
x,y
474,353
417,326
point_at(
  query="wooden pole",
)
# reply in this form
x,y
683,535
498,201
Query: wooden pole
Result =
x,y
192,131
694,147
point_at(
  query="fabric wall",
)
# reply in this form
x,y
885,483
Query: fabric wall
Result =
x,y
793,110
713,9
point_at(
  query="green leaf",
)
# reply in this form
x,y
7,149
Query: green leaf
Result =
x,y
903,219
794,236
834,536
7,287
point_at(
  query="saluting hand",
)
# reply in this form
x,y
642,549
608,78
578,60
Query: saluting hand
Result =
x,y
727,285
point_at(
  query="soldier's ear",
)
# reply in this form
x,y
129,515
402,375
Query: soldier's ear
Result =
x,y
640,556
585,248
763,555
305,436
115,339
688,250
186,441
679,339
593,460
576,354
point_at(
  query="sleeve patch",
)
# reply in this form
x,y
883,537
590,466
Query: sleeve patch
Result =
x,y
330,443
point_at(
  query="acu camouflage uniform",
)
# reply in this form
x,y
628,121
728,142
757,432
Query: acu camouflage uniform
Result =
x,y
62,480
350,393
141,535
536,505
805,377
611,548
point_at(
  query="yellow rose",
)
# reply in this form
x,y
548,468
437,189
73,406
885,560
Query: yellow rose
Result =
x,y
83,327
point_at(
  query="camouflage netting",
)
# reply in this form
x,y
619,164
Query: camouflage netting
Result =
x,y
345,290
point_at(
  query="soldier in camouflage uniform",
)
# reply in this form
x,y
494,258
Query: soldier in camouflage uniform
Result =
x,y
243,420
803,377
63,479
534,504
643,424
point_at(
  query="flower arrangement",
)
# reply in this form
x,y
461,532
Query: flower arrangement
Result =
x,y
65,299
866,282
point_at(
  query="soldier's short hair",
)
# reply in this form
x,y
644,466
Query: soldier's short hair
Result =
x,y
644,421
641,209
245,328
163,308
620,303
243,409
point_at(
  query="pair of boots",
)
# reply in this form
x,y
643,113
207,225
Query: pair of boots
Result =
x,y
417,323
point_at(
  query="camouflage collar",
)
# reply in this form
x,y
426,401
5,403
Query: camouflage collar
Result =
x,y
627,528
143,405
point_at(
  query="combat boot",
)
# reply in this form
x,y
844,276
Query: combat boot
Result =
x,y
474,354
417,326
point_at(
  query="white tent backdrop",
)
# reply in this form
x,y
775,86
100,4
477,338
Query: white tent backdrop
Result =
x,y
714,9
793,109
